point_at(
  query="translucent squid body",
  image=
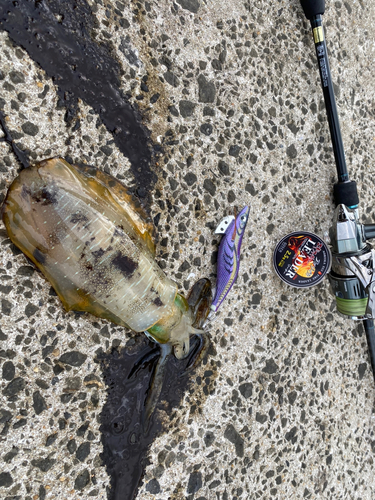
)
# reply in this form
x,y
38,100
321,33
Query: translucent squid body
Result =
x,y
93,242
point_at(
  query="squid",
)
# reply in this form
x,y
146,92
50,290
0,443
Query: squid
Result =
x,y
93,242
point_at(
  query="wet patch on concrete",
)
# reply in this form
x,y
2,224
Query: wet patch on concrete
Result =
x,y
57,37
20,155
124,441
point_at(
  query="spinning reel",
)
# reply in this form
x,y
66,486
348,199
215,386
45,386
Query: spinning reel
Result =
x,y
352,276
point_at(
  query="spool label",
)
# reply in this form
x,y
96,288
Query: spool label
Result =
x,y
301,259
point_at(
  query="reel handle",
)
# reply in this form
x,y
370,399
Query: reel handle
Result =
x,y
313,8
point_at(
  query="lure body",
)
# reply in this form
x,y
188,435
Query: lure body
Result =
x,y
91,240
228,260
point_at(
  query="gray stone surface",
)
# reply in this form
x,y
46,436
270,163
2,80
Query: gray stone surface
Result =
x,y
233,94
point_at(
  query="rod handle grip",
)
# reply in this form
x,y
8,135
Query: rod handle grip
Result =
x,y
313,8
346,193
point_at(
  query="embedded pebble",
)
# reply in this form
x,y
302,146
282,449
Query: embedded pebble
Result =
x,y
39,403
30,128
73,358
6,479
82,480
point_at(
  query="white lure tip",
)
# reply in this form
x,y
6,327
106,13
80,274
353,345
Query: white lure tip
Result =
x,y
224,224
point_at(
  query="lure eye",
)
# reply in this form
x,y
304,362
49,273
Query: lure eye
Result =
x,y
243,220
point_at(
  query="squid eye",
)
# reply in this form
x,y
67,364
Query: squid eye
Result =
x,y
243,218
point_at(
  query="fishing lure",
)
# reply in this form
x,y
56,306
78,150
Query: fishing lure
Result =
x,y
93,242
228,261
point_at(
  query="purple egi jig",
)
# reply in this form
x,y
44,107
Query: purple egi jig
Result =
x,y
228,261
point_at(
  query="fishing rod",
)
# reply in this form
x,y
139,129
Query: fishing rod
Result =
x,y
352,275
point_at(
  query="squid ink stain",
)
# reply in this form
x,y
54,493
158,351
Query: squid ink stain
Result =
x,y
125,264
56,35
127,375
98,254
78,217
158,302
47,196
